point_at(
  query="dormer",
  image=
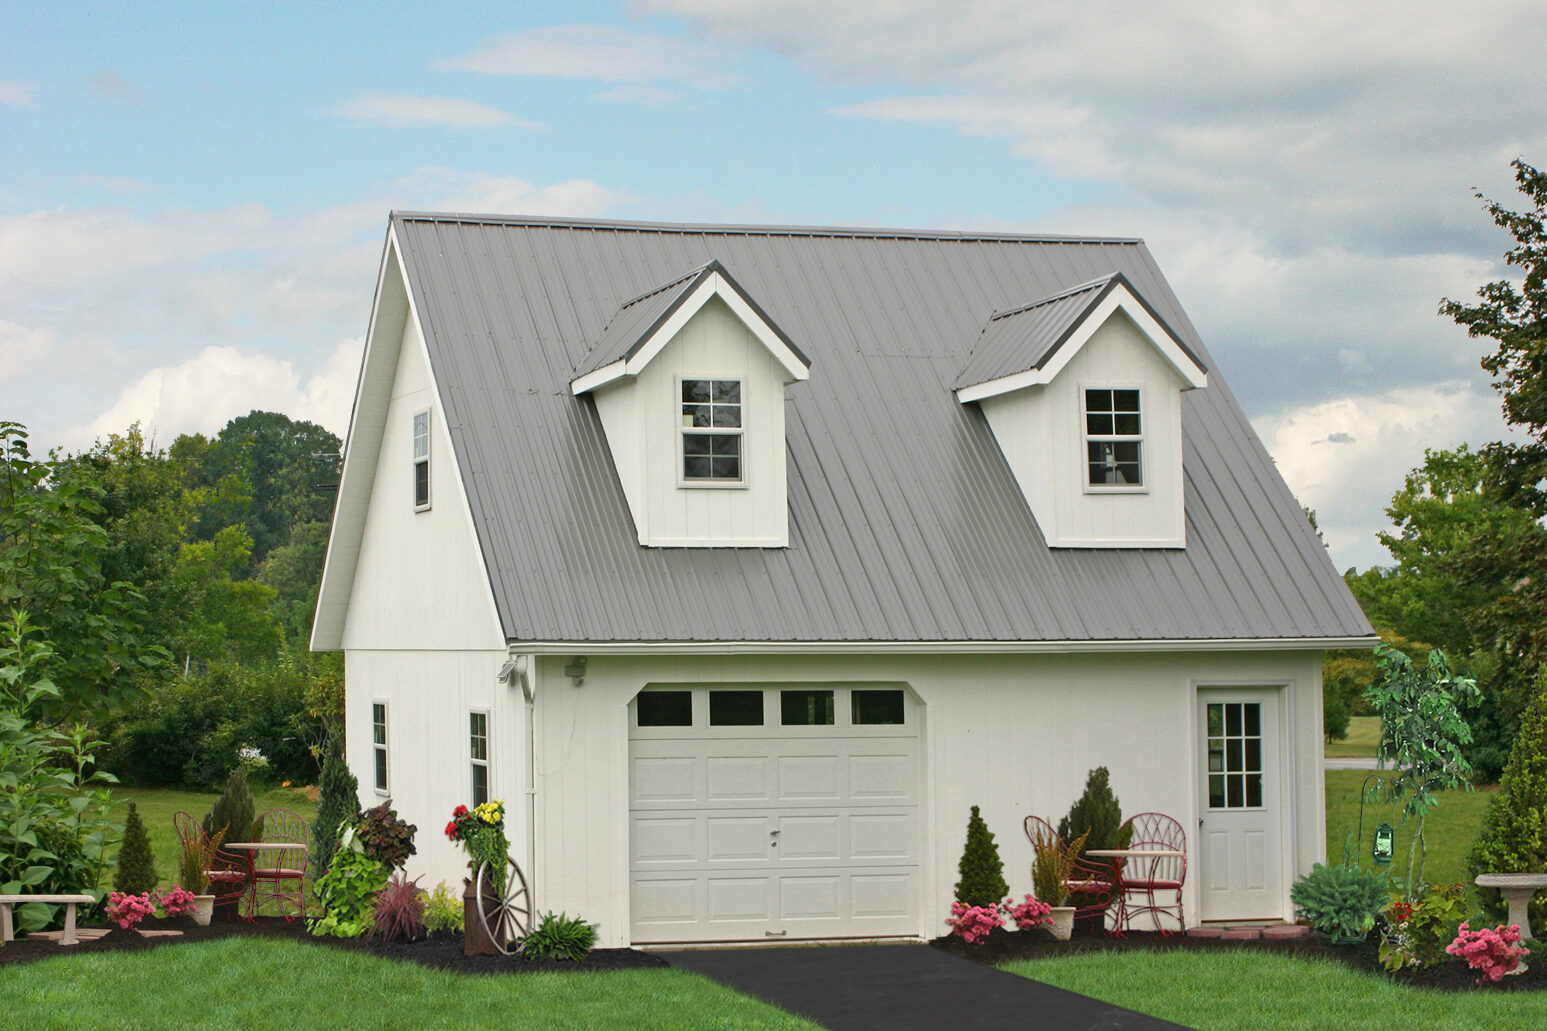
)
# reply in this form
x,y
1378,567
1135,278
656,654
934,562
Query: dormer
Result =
x,y
689,381
1083,392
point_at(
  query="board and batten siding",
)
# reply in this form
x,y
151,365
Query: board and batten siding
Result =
x,y
642,417
423,636
1014,735
1041,431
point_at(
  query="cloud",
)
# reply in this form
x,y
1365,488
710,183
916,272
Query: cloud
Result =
x,y
17,94
645,96
1346,457
602,52
113,86
453,190
111,183
21,348
205,392
403,111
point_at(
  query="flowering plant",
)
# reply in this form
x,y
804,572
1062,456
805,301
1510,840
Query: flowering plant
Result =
x,y
128,910
973,922
1495,952
176,901
481,831
1030,913
1417,930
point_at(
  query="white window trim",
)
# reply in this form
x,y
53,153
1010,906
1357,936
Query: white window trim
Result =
x,y
1086,439
414,477
488,751
383,747
683,483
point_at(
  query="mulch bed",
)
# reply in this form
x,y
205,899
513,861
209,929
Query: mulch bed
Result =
x,y
439,951
1002,946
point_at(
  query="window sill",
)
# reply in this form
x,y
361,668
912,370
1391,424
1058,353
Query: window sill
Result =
x,y
711,485
1139,488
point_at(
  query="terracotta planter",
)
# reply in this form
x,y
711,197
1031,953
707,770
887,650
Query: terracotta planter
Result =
x,y
1063,922
203,909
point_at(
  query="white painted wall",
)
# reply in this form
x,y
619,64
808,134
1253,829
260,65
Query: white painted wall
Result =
x,y
1012,734
1040,429
642,417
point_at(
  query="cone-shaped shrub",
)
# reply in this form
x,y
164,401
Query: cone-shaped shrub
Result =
x,y
235,811
982,873
136,872
1097,812
337,801
1513,838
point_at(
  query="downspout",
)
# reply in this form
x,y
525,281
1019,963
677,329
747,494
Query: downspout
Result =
x,y
521,670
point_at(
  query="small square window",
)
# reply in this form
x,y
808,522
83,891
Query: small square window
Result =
x,y
802,708
735,708
664,709
876,708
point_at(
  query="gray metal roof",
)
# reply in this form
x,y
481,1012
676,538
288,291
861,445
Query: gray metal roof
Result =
x,y
905,522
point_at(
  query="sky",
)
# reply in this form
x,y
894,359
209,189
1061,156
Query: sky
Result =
x,y
193,197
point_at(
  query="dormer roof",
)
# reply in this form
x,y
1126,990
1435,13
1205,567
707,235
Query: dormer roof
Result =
x,y
1030,344
642,326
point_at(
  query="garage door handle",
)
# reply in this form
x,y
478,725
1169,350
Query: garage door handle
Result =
x,y
775,934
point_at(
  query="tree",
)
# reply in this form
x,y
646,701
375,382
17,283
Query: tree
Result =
x,y
294,570
1516,318
337,801
136,872
1513,838
51,566
224,617
1422,731
982,872
1096,813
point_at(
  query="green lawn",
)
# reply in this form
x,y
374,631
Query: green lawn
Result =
x,y
1258,991
1363,737
1449,829
258,984
156,806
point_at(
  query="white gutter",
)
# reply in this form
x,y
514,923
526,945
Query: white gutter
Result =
x,y
1227,644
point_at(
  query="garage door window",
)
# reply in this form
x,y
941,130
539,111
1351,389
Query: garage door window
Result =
x,y
806,708
735,708
665,709
876,708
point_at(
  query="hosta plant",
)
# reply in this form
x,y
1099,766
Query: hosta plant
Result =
x,y
1341,902
559,936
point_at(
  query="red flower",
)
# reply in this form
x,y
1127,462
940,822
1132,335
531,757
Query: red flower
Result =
x,y
460,810
451,830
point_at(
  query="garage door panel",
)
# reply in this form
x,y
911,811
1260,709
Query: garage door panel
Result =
x,y
803,778
878,896
810,837
665,779
672,839
661,903
882,835
810,898
739,778
732,838
739,898
891,778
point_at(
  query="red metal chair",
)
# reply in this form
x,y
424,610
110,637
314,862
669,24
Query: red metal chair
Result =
x,y
1143,877
1092,882
228,873
280,874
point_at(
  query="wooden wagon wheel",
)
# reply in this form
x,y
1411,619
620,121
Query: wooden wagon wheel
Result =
x,y
509,915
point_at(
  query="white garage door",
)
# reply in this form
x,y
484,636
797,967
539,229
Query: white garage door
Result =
x,y
773,813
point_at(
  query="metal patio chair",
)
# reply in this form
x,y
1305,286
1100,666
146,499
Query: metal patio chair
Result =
x,y
1143,877
280,874
228,873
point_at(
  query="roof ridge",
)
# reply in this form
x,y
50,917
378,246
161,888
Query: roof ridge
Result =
x,y
731,229
1093,284
677,281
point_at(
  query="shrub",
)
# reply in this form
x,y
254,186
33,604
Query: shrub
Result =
x,y
348,890
1513,838
1030,913
559,936
176,901
982,873
136,872
1494,952
1418,932
974,922
1334,716
1341,902
385,838
235,812
128,910
398,915
443,911
1097,815
337,800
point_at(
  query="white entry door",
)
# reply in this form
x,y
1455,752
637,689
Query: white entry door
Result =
x,y
1239,855
767,813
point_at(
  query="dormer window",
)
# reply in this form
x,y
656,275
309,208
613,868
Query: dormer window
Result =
x,y
1113,439
711,431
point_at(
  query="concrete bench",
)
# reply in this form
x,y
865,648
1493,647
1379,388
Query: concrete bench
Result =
x,y
1517,889
69,901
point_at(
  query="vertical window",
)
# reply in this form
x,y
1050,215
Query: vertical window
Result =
x,y
379,743
711,430
1235,755
478,752
421,461
1113,438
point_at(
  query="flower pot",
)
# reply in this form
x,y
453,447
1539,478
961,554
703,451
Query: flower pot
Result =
x,y
474,941
1063,922
203,909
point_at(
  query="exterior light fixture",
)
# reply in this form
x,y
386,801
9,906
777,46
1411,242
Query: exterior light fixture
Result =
x,y
1385,845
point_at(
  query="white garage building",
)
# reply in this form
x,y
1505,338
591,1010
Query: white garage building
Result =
x,y
742,561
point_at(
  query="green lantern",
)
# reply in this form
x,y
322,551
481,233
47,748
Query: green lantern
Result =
x,y
1385,844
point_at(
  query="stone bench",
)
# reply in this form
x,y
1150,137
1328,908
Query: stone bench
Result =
x,y
69,902
1517,889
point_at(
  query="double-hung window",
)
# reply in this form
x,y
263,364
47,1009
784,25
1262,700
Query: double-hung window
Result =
x,y
379,743
421,460
711,431
1113,439
478,752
